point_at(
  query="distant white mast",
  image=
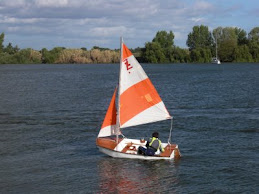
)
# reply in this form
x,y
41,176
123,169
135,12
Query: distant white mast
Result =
x,y
216,49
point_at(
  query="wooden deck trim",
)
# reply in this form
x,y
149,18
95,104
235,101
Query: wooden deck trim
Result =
x,y
107,142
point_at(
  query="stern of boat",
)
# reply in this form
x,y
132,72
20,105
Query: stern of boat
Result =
x,y
171,151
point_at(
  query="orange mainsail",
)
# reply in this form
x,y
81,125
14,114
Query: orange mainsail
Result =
x,y
139,101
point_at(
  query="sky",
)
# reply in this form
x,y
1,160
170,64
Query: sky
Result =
x,y
41,24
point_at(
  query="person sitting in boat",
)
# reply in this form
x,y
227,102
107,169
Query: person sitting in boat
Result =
x,y
153,144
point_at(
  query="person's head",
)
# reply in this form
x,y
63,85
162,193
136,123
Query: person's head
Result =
x,y
155,134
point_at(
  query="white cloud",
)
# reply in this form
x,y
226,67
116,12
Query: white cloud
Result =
x,y
104,21
51,3
13,29
108,31
16,3
92,21
12,20
203,5
198,19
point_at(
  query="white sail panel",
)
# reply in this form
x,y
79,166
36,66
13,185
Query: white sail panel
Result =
x,y
131,73
155,113
107,131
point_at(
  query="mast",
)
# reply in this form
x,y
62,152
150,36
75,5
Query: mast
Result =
x,y
119,89
216,49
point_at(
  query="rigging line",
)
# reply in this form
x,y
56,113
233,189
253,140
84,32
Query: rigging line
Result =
x,y
170,134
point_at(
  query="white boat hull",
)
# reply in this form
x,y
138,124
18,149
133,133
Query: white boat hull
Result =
x,y
215,61
127,148
116,154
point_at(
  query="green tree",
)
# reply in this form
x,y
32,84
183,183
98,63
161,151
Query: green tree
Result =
x,y
28,56
154,53
165,39
241,36
226,50
99,48
242,54
6,58
195,55
200,55
227,41
84,49
254,34
10,49
200,43
1,42
180,55
200,37
51,56
160,50
253,39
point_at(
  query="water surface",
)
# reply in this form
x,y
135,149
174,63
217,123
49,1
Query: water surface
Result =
x,y
50,116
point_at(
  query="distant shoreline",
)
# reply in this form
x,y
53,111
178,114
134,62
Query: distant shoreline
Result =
x,y
229,44
145,63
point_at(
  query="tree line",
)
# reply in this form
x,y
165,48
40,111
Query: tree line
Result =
x,y
233,45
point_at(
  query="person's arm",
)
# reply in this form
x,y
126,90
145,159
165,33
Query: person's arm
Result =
x,y
147,144
161,147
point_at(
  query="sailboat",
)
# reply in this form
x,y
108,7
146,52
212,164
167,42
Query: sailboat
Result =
x,y
215,60
138,103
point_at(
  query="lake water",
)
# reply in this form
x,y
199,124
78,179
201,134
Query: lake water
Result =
x,y
50,116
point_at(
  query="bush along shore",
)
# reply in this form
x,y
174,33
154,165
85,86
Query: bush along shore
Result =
x,y
233,45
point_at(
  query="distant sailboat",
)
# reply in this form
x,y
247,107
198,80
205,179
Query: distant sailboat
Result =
x,y
215,60
138,103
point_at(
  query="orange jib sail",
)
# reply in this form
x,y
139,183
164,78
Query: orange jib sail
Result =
x,y
109,123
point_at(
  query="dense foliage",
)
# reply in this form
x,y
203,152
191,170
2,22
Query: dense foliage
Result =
x,y
233,45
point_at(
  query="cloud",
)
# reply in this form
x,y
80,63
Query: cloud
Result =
x,y
203,5
12,20
107,31
75,22
198,19
51,3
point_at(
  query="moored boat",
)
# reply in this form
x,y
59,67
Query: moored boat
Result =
x,y
215,60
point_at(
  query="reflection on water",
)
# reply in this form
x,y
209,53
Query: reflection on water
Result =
x,y
120,176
